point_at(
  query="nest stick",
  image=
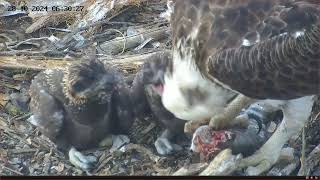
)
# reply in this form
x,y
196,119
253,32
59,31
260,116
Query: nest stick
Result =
x,y
191,169
20,63
118,45
223,164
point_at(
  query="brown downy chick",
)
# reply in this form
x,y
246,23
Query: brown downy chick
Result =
x,y
78,107
146,93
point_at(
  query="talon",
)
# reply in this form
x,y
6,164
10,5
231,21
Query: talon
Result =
x,y
118,141
242,120
106,142
165,147
188,128
259,162
259,122
218,122
79,160
256,113
192,126
257,119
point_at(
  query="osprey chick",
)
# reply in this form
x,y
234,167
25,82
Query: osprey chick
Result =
x,y
78,107
146,92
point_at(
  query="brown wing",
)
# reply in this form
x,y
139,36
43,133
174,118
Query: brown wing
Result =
x,y
228,22
209,25
249,46
280,68
48,113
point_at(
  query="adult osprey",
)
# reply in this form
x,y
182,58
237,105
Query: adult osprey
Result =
x,y
78,107
267,50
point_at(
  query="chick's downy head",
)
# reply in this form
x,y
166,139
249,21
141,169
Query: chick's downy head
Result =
x,y
154,71
88,80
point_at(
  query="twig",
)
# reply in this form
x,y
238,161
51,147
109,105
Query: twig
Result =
x,y
12,134
59,29
143,150
312,161
18,117
69,38
11,62
22,117
162,172
119,22
191,169
19,151
103,22
123,36
6,129
116,45
303,153
223,164
36,53
11,170
27,40
130,58
103,163
149,128
316,117
3,120
283,171
99,23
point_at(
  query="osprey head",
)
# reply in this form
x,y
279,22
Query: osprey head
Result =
x,y
88,81
154,70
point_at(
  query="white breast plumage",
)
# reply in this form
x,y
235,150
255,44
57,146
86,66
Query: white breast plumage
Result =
x,y
185,75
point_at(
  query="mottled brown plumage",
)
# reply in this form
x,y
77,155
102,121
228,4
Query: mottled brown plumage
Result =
x,y
280,68
267,64
79,106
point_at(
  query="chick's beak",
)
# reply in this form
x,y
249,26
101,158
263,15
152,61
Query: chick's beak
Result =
x,y
107,83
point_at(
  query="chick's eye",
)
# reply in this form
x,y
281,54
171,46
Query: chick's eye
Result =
x,y
79,86
90,79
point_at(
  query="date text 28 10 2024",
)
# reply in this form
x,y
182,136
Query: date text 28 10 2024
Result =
x,y
47,8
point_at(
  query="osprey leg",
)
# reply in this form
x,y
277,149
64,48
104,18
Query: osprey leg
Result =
x,y
224,119
296,112
230,112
